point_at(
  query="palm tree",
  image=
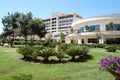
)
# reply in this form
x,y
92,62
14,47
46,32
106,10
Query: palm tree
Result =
x,y
86,27
98,37
110,26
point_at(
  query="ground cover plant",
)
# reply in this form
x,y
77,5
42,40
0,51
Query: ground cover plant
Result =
x,y
13,68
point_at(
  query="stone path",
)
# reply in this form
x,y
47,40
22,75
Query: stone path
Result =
x,y
10,50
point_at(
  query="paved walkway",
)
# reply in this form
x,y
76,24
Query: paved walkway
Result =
x,y
10,50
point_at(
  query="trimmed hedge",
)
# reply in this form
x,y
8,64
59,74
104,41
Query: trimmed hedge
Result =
x,y
111,48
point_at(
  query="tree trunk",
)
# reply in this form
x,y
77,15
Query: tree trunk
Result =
x,y
12,40
26,41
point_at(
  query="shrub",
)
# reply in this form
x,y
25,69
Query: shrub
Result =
x,y
39,47
82,51
72,51
46,53
112,65
17,43
28,53
101,45
60,55
111,48
37,43
51,43
118,47
65,46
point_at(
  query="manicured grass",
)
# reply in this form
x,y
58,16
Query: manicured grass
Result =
x,y
12,68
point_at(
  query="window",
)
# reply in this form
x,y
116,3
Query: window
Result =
x,y
94,28
80,30
113,40
116,27
92,40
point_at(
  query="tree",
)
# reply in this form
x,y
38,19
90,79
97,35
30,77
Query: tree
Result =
x,y
86,27
23,24
2,38
24,21
98,37
110,26
10,23
37,27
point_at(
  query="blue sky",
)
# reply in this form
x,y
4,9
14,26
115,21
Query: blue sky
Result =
x,y
44,8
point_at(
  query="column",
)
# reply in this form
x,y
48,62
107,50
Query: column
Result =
x,y
79,41
86,40
101,40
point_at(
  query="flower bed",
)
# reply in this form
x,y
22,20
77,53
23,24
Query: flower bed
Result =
x,y
112,65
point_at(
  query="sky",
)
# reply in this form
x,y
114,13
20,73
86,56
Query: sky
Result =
x,y
44,8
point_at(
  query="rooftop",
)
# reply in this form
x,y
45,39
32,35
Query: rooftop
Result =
x,y
116,15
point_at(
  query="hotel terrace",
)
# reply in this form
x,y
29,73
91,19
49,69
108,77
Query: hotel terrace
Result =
x,y
96,30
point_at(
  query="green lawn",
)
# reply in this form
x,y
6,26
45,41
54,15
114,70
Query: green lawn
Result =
x,y
12,68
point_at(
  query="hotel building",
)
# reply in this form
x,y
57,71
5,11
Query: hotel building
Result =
x,y
60,22
98,29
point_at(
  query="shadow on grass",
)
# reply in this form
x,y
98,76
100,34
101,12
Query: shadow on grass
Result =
x,y
52,61
22,77
83,58
30,60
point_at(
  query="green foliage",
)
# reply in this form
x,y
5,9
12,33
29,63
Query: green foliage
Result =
x,y
46,53
119,47
37,27
37,42
60,55
86,27
39,47
29,43
19,42
111,48
110,26
100,45
28,53
65,46
82,51
72,51
49,42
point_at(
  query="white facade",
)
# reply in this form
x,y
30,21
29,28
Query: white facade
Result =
x,y
99,31
60,22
